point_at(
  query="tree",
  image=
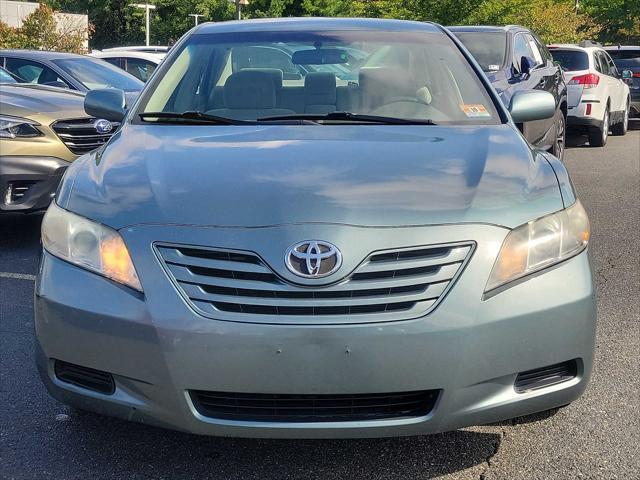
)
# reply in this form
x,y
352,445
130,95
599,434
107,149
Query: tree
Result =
x,y
41,31
555,21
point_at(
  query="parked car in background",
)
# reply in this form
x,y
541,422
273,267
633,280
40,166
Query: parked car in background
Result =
x,y
383,257
514,59
67,70
627,57
599,98
42,130
139,64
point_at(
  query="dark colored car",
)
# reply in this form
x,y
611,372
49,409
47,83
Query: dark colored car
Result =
x,y
628,58
514,59
67,70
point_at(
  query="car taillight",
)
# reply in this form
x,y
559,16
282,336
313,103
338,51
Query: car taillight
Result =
x,y
589,80
636,74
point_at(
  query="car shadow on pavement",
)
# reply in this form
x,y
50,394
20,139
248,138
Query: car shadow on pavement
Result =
x,y
148,452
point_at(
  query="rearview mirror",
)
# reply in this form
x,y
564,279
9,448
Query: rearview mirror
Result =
x,y
107,103
530,105
320,56
627,76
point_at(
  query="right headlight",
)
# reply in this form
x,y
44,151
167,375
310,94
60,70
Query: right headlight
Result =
x,y
89,245
16,127
540,244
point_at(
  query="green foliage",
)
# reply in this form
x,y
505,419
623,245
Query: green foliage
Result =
x,y
41,31
117,23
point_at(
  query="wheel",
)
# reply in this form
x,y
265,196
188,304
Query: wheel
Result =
x,y
558,145
621,128
598,135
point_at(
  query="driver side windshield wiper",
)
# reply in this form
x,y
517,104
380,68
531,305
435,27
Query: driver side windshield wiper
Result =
x,y
348,117
197,117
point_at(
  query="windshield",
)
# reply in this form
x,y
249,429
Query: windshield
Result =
x,y
571,60
250,76
625,58
98,74
5,77
488,48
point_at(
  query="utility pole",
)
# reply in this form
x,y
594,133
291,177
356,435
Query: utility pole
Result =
x,y
196,16
147,7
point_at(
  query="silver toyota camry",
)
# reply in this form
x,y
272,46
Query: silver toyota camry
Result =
x,y
316,228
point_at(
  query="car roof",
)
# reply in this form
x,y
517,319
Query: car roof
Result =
x,y
572,46
139,48
40,54
622,47
315,23
154,57
488,28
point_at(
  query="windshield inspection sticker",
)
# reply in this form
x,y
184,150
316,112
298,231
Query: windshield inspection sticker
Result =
x,y
475,111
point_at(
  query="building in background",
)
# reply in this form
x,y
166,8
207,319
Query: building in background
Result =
x,y
13,14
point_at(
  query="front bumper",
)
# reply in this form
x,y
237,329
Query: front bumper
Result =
x,y
28,183
469,349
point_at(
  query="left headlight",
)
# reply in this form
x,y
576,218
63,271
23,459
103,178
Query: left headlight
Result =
x,y
16,127
88,245
539,244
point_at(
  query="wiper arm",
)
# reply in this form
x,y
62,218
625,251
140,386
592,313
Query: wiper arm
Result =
x,y
194,116
349,117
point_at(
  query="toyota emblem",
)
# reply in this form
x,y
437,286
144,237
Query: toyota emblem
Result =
x,y
313,259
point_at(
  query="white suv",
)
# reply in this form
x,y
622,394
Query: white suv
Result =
x,y
597,95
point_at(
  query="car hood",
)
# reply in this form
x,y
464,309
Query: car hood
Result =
x,y
249,176
29,101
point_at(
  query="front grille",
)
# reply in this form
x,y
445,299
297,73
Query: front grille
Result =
x,y
386,286
262,407
85,377
546,376
80,135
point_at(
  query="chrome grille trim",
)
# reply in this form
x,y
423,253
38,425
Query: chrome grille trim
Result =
x,y
79,134
389,285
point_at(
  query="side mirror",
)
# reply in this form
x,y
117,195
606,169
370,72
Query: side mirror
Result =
x,y
627,76
107,103
530,105
526,65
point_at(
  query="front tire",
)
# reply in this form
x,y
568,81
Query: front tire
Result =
x,y
561,133
621,128
598,135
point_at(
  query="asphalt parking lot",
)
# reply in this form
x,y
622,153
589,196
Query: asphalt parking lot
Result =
x,y
596,437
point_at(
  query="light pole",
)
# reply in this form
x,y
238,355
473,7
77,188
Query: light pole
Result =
x,y
196,16
147,8
239,4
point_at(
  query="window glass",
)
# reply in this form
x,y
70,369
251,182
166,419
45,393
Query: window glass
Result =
x,y
611,68
117,61
537,56
599,65
628,58
520,49
571,60
94,73
5,77
33,72
141,69
488,48
407,75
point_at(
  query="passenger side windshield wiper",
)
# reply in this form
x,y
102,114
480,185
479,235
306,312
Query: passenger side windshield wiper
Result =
x,y
197,117
348,117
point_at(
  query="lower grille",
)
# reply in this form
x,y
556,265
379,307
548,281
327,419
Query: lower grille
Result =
x,y
546,376
261,407
96,380
80,134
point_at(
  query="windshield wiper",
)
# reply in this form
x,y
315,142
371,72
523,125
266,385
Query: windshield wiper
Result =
x,y
194,116
349,117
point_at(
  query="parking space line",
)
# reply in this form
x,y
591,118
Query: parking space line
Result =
x,y
17,276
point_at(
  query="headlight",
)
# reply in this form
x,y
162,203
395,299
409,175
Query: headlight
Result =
x,y
540,244
88,245
12,127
